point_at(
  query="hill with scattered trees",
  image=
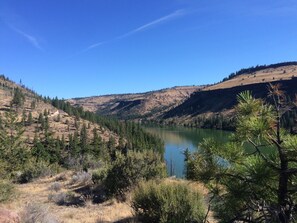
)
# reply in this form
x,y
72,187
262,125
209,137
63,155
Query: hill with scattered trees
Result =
x,y
83,159
213,106
148,105
208,106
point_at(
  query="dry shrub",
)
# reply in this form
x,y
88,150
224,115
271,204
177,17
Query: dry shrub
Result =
x,y
56,186
81,178
67,199
37,213
61,177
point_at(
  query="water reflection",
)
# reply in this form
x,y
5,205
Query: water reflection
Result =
x,y
177,139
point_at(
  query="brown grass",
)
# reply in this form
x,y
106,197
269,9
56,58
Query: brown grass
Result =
x,y
262,76
152,103
65,126
37,192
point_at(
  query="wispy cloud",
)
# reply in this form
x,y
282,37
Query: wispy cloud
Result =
x,y
31,39
149,25
10,19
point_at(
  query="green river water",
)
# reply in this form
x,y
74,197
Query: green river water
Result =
x,y
177,139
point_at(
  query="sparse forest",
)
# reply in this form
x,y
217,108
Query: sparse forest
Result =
x,y
237,186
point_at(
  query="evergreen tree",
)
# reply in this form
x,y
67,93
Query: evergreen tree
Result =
x,y
30,118
18,98
258,186
96,142
84,140
13,151
24,117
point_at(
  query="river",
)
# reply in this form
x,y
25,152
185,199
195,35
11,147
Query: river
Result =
x,y
177,139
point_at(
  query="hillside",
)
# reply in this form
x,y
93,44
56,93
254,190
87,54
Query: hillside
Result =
x,y
275,72
188,105
61,124
134,106
219,99
99,159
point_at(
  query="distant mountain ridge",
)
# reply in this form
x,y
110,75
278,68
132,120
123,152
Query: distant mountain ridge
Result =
x,y
185,105
150,104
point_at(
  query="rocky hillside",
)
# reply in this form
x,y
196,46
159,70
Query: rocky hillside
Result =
x,y
148,105
60,122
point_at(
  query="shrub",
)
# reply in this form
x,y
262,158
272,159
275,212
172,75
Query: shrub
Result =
x,y
61,177
34,170
66,199
81,178
127,171
82,163
7,191
56,186
34,213
99,175
167,202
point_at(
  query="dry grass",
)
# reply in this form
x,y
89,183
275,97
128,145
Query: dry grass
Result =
x,y
66,124
152,103
262,76
34,198
37,192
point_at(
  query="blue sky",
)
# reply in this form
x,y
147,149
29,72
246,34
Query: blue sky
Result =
x,y
75,48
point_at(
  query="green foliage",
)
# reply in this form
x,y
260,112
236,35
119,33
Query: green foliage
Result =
x,y
251,187
47,149
136,137
99,175
34,170
13,151
126,171
18,98
30,119
7,191
167,203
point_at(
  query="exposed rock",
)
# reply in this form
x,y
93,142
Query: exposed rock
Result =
x,y
7,216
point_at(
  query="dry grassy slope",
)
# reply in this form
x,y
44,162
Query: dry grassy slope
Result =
x,y
261,76
58,128
39,191
221,97
150,104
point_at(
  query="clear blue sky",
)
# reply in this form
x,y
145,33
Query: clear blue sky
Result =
x,y
72,48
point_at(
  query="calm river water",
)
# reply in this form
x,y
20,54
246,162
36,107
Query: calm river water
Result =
x,y
177,139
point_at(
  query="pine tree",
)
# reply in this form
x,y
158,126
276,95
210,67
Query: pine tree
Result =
x,y
84,140
18,98
13,150
96,142
258,186
30,119
24,117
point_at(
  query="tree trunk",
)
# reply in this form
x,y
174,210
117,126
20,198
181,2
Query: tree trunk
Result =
x,y
284,207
